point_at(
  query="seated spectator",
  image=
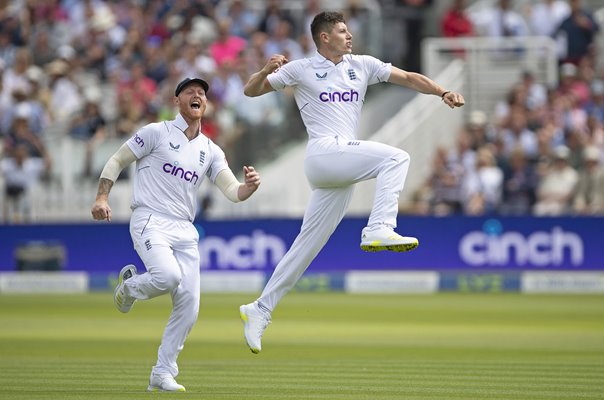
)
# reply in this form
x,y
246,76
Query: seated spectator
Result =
x,y
422,201
39,98
21,172
574,140
595,134
479,129
482,186
536,93
20,134
244,19
519,184
546,16
446,183
574,117
65,98
226,47
572,83
38,117
589,196
281,42
14,76
274,13
500,21
137,89
556,189
89,126
518,135
515,99
595,105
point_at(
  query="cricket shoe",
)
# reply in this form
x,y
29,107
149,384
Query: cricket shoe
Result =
x,y
122,301
255,322
164,383
384,238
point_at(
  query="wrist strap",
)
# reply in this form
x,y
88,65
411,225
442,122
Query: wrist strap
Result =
x,y
442,96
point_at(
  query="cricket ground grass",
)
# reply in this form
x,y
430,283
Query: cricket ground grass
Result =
x,y
319,346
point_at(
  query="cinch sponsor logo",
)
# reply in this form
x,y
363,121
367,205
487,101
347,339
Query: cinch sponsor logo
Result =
x,y
174,170
138,140
494,247
255,251
337,97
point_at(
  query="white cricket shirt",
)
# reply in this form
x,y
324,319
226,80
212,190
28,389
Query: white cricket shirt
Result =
x,y
330,96
170,168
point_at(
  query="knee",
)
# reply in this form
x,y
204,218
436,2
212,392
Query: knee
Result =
x,y
168,280
397,161
401,157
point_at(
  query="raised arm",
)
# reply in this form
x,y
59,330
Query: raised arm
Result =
x,y
423,84
118,161
258,85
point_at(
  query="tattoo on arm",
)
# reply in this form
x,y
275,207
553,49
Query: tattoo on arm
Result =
x,y
105,186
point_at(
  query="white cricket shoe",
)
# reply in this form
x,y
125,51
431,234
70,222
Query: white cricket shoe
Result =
x,y
384,238
255,322
164,383
122,301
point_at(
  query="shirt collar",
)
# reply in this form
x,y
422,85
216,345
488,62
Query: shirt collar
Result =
x,y
319,57
180,123
322,59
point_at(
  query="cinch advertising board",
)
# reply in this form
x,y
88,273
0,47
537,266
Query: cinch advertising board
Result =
x,y
446,244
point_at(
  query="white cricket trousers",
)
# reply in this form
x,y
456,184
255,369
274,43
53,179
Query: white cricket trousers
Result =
x,y
332,167
169,249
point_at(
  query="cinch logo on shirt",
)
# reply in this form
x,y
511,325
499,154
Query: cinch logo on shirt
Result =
x,y
189,176
138,140
336,97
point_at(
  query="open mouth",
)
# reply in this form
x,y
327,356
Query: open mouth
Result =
x,y
196,105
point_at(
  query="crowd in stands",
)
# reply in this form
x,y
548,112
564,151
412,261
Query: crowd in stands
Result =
x,y
541,151
100,69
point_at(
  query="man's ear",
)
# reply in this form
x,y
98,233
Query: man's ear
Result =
x,y
324,37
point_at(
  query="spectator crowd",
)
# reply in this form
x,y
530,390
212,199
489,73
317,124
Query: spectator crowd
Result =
x,y
99,69
541,152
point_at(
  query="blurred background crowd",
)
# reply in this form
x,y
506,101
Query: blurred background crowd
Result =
x,y
94,71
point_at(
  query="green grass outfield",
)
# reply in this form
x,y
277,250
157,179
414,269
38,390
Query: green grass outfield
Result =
x,y
320,346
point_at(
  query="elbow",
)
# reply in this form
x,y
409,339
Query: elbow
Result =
x,y
248,92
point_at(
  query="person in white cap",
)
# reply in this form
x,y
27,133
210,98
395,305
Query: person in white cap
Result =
x,y
556,189
329,90
172,159
589,195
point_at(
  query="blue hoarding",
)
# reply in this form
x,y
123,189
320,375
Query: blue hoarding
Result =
x,y
446,244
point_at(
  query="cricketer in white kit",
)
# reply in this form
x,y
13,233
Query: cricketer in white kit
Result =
x,y
329,90
172,158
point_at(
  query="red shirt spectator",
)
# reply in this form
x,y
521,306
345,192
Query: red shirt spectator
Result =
x,y
455,22
139,89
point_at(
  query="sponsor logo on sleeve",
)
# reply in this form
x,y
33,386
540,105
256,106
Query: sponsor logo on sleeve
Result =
x,y
138,140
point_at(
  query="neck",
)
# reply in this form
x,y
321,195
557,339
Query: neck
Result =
x,y
334,58
193,129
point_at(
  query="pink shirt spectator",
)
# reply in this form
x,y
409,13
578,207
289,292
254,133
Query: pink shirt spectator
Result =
x,y
227,47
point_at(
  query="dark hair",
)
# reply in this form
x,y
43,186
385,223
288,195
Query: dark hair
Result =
x,y
324,22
